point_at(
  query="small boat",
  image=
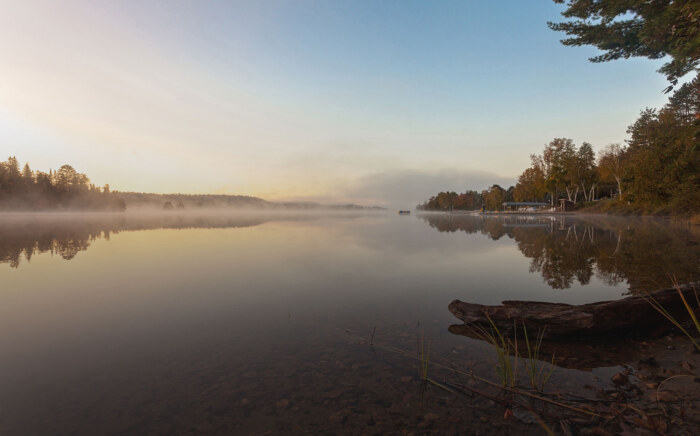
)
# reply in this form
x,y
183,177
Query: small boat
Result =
x,y
404,212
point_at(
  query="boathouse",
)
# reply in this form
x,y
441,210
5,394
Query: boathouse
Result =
x,y
524,206
566,205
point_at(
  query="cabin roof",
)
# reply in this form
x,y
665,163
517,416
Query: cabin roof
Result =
x,y
524,203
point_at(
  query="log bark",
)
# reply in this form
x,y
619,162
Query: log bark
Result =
x,y
631,316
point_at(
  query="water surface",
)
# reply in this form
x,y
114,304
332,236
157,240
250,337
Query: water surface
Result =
x,y
253,323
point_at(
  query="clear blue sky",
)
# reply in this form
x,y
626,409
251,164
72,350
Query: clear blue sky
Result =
x,y
368,101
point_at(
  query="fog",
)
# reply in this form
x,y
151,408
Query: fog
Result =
x,y
405,189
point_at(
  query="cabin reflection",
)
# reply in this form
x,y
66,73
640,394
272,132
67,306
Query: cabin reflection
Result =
x,y
645,253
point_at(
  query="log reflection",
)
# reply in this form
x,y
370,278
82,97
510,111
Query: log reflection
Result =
x,y
581,355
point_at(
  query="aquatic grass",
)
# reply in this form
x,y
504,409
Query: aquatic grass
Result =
x,y
506,368
424,363
689,308
423,357
536,369
458,388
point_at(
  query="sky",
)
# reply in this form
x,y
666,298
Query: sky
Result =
x,y
373,102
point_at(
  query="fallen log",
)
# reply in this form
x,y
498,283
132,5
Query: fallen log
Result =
x,y
631,316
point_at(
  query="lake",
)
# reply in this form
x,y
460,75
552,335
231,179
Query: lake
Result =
x,y
288,323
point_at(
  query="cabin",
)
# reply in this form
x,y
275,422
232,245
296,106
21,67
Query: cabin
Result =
x,y
566,205
524,206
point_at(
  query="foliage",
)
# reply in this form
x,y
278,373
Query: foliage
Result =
x,y
489,199
562,167
663,154
611,165
494,197
531,184
657,171
445,201
585,173
60,190
637,28
695,220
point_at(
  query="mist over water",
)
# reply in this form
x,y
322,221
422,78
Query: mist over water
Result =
x,y
251,322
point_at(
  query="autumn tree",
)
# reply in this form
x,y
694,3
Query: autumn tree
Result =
x,y
585,171
446,201
531,184
611,165
557,160
494,197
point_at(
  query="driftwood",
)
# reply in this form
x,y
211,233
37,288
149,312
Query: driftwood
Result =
x,y
631,316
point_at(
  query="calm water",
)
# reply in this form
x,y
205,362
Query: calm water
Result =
x,y
247,324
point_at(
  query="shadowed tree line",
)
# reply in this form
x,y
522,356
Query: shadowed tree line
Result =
x,y
657,170
643,253
489,199
64,189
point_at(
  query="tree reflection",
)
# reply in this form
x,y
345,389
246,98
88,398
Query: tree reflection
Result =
x,y
24,236
644,253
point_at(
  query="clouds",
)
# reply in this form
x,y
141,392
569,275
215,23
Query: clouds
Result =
x,y
306,100
406,188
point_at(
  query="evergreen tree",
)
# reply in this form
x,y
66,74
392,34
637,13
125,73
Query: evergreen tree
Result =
x,y
637,28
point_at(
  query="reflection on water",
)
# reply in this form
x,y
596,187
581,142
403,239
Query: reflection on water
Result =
x,y
645,253
642,253
246,324
24,235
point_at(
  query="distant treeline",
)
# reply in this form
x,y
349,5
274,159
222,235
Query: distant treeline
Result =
x,y
658,170
63,189
137,200
67,189
490,199
141,200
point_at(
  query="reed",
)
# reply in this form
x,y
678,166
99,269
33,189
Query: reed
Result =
x,y
507,368
423,357
537,371
688,306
